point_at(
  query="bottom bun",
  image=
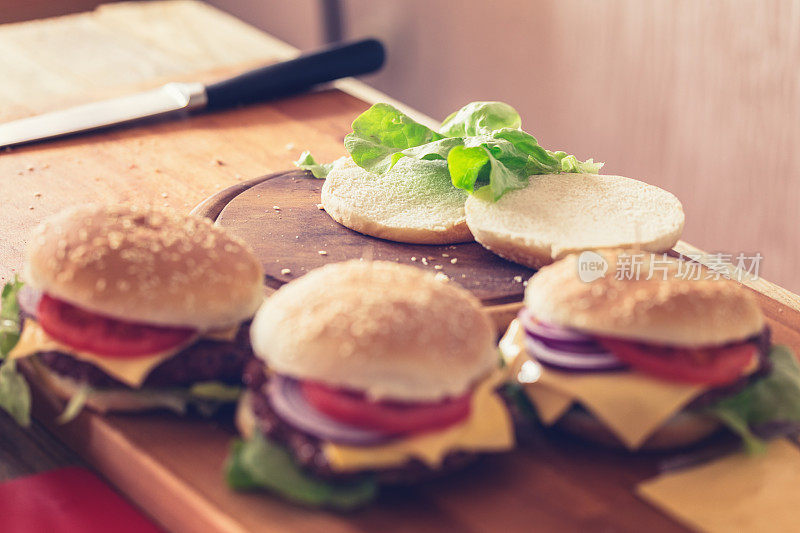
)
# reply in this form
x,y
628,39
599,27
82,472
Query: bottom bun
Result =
x,y
105,401
680,431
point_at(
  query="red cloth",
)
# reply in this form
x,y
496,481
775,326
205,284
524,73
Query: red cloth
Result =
x,y
67,500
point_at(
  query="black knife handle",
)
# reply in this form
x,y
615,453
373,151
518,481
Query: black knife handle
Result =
x,y
297,75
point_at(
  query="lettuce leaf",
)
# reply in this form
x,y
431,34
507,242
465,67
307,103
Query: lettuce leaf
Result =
x,y
477,118
259,463
486,152
15,395
75,405
773,399
318,170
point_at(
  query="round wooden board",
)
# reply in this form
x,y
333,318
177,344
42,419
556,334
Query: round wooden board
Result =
x,y
279,217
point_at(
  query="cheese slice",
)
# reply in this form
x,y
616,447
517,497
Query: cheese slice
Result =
x,y
632,405
739,492
488,428
132,371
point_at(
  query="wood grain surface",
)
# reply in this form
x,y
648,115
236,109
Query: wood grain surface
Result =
x,y
280,218
170,466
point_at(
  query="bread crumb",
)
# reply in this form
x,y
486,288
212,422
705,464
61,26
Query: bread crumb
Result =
x,y
285,271
320,207
437,267
322,252
454,260
441,276
518,279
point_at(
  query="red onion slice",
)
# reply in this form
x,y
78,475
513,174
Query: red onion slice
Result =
x,y
551,331
288,402
28,299
567,360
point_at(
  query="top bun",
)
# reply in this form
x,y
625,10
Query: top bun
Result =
x,y
409,203
559,214
389,330
143,264
677,311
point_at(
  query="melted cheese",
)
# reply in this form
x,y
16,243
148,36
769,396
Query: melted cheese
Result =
x,y
488,428
131,370
632,405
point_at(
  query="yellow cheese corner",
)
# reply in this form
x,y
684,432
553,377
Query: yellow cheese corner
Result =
x,y
131,371
631,404
489,428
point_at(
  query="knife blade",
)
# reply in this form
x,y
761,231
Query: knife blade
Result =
x,y
272,81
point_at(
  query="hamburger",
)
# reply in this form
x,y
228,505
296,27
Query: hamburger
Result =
x,y
654,361
131,308
366,373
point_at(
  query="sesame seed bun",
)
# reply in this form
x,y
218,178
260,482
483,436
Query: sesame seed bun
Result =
x,y
389,330
409,203
558,214
677,311
143,264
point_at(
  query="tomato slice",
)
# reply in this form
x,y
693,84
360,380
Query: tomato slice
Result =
x,y
97,334
391,418
707,366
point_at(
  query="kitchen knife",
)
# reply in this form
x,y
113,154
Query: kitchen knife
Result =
x,y
273,81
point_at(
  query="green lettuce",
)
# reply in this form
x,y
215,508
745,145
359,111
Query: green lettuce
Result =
x,y
15,395
773,399
206,397
307,162
259,463
486,152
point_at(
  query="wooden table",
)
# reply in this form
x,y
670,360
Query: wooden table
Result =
x,y
125,47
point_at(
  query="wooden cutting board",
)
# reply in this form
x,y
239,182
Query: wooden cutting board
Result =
x,y
279,216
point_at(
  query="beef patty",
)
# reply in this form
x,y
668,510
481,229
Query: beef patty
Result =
x,y
204,360
307,449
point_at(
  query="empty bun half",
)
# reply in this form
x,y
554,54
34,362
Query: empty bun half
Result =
x,y
409,203
391,331
557,214
674,306
144,264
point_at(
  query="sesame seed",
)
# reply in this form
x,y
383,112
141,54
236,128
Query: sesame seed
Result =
x,y
217,161
425,261
445,255
37,195
164,195
276,208
413,258
454,260
518,279
285,271
441,276
30,207
320,207
322,252
437,267
289,147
